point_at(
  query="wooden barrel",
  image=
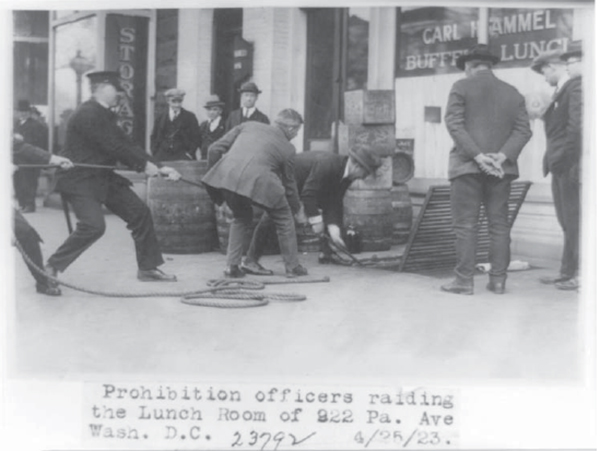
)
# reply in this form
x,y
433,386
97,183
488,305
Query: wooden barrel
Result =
x,y
370,213
402,214
183,214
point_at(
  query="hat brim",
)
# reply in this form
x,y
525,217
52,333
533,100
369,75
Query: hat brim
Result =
x,y
461,60
567,55
254,91
211,105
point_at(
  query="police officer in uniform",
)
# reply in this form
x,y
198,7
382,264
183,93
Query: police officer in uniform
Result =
x,y
93,137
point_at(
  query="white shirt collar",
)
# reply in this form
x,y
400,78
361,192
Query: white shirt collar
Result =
x,y
104,104
562,82
250,111
346,169
214,124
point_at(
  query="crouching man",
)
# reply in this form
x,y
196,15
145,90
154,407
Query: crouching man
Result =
x,y
322,179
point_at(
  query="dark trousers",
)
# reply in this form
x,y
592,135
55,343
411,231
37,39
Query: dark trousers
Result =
x,y
565,192
467,193
123,202
25,181
29,240
241,233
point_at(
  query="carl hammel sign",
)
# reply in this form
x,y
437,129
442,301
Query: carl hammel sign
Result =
x,y
431,39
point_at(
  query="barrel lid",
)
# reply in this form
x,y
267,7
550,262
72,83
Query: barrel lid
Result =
x,y
403,168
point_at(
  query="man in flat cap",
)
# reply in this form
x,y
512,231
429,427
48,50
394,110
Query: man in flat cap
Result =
x,y
33,132
322,178
248,112
254,164
563,126
176,133
489,124
213,128
94,138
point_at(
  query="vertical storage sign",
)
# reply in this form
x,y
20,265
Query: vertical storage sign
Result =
x,y
127,53
429,40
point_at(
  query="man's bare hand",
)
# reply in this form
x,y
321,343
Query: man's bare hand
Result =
x,y
488,165
170,173
63,162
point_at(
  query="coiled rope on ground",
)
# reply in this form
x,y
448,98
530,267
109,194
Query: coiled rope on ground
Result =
x,y
222,293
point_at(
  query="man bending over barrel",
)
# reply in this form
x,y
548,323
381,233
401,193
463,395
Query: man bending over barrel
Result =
x,y
322,178
94,139
257,167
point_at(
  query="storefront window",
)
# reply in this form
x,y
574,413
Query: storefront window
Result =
x,y
358,49
75,54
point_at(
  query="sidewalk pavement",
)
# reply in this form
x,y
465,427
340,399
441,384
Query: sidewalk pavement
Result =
x,y
364,325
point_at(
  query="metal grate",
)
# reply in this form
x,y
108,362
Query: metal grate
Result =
x,y
431,241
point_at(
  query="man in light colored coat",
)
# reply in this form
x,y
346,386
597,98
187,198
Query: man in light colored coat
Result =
x,y
253,164
488,122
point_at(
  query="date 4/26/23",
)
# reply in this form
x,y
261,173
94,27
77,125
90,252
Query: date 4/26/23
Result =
x,y
417,438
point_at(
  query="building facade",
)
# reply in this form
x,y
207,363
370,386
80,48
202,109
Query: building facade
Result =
x,y
306,59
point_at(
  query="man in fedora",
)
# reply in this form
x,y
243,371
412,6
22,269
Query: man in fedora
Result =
x,y
213,128
253,164
563,126
489,124
248,112
33,132
176,134
322,178
94,138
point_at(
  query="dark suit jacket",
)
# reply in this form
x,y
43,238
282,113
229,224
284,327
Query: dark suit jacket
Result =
x,y
33,133
207,137
182,143
562,122
25,153
485,115
256,161
319,178
94,137
235,118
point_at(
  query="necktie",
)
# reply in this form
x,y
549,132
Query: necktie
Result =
x,y
246,113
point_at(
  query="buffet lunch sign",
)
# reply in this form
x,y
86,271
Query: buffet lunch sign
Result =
x,y
431,39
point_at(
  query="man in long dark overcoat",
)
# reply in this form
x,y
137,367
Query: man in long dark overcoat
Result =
x,y
563,126
94,138
253,164
488,122
27,237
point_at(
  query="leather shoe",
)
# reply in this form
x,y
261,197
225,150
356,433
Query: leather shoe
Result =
x,y
458,287
568,285
551,280
234,272
46,289
155,275
28,209
252,267
296,272
51,272
496,287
